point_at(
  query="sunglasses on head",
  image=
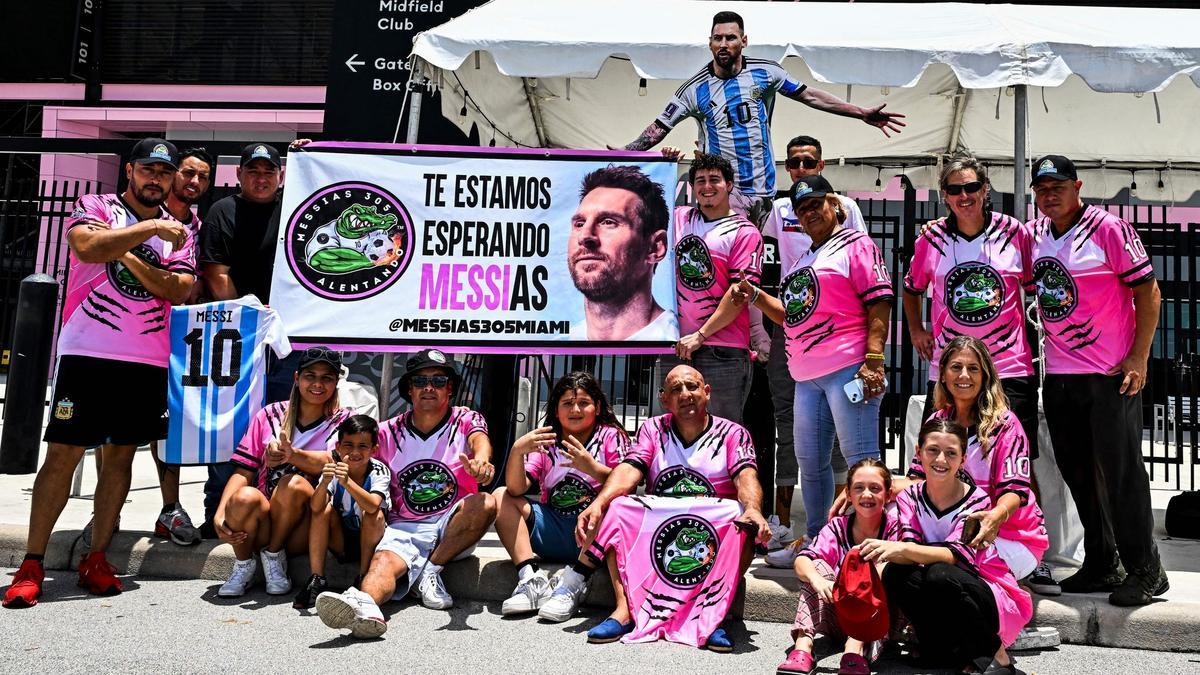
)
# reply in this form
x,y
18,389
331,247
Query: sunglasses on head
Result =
x,y
321,354
970,188
797,162
422,381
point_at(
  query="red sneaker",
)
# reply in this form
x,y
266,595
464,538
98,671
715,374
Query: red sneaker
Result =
x,y
97,576
26,585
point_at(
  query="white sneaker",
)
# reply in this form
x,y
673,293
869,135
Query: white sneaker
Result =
x,y
786,556
354,610
239,579
431,589
781,535
529,596
275,570
568,592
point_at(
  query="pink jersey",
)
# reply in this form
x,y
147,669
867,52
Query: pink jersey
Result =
x,y
427,476
569,490
921,522
250,454
1006,468
836,539
1084,282
825,296
706,468
678,560
709,255
975,284
107,312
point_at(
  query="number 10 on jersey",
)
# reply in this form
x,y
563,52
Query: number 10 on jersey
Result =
x,y
225,366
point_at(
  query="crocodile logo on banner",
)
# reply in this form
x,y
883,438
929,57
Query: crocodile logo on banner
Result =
x,y
685,549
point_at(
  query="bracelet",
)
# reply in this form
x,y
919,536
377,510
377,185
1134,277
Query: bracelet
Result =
x,y
757,292
703,337
875,357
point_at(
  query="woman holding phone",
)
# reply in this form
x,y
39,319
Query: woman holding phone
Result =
x,y
834,304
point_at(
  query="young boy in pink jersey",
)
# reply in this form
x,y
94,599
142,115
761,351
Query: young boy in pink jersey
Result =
x,y
439,455
569,460
1099,304
713,248
869,483
129,262
685,453
265,505
964,603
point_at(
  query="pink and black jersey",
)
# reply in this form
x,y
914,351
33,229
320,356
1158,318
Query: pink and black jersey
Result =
x,y
975,285
678,560
836,539
1006,468
921,522
825,296
569,490
705,468
709,255
1084,282
427,476
107,312
250,454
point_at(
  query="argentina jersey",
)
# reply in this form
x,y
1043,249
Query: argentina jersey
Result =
x,y
735,118
216,376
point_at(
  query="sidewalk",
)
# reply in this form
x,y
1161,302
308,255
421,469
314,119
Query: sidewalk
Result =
x,y
1171,624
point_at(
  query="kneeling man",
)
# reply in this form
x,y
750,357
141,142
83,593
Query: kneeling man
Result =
x,y
438,454
672,561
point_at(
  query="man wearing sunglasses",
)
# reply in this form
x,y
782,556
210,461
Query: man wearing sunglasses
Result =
x,y
439,455
785,241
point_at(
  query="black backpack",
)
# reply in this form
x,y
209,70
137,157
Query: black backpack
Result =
x,y
1183,515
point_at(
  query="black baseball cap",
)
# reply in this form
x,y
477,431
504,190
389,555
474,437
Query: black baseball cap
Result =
x,y
810,186
321,355
155,150
260,151
429,358
1054,166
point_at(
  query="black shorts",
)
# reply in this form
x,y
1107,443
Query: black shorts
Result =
x,y
1022,393
351,546
98,401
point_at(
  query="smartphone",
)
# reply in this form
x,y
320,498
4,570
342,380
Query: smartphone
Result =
x,y
970,531
854,390
336,457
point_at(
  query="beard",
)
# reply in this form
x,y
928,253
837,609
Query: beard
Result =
x,y
725,60
605,284
183,197
149,200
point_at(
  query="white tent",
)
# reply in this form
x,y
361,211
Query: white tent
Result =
x,y
1102,83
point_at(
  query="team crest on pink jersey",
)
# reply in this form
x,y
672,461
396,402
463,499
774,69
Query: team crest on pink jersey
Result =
x,y
685,548
974,292
681,481
123,280
800,293
694,262
427,486
1057,294
571,495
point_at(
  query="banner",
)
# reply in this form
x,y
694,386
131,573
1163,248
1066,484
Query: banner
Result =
x,y
390,247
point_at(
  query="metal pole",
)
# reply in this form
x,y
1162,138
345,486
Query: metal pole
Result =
x,y
1020,179
414,111
25,394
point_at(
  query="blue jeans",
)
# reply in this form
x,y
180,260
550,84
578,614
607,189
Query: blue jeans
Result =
x,y
725,369
821,408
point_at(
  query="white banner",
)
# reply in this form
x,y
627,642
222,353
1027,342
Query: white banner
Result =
x,y
387,247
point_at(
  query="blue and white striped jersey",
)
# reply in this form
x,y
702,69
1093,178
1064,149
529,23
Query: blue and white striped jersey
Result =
x,y
378,480
735,118
217,376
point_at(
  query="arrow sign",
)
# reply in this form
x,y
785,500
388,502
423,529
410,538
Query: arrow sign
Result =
x,y
350,63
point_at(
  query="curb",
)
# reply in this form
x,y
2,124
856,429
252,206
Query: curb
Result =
x,y
770,594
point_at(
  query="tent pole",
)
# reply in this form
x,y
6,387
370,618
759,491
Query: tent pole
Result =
x,y
414,111
535,110
1020,182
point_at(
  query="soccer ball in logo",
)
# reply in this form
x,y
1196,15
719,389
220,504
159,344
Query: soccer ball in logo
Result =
x,y
799,295
427,487
974,292
1057,295
680,481
571,495
123,280
695,265
684,550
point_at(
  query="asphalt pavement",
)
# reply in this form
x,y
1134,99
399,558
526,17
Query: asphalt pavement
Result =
x,y
177,626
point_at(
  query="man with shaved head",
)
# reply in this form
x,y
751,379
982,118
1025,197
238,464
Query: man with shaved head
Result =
x,y
706,461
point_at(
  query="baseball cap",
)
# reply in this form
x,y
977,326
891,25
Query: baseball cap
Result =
x,y
429,358
1054,166
859,599
321,355
260,151
810,186
152,150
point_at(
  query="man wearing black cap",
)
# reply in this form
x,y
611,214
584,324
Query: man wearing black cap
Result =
x,y
129,262
1099,305
439,456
